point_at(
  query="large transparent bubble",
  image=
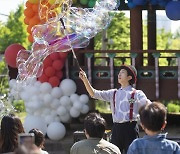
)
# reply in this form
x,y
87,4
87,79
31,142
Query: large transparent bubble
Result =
x,y
69,28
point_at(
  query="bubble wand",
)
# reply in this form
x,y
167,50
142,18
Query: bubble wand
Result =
x,y
74,55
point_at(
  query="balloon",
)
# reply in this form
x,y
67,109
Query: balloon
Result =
x,y
43,78
28,12
58,65
47,62
56,92
56,131
49,71
54,56
68,87
63,55
59,74
74,112
11,54
54,81
84,99
31,122
33,1
173,10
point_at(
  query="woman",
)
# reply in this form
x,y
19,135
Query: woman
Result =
x,y
11,126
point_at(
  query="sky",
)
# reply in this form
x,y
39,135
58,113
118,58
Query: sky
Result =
x,y
11,5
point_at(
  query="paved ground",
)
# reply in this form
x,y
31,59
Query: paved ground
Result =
x,y
63,146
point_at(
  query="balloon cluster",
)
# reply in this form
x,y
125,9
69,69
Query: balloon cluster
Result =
x,y
52,68
39,11
49,107
172,7
71,28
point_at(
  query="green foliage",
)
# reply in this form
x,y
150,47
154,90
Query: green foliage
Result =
x,y
3,78
173,108
118,32
102,107
14,30
19,105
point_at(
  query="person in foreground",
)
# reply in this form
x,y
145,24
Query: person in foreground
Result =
x,y
125,103
39,140
11,126
94,126
153,121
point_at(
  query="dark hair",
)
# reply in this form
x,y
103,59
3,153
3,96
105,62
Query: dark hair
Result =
x,y
39,137
95,125
11,126
153,116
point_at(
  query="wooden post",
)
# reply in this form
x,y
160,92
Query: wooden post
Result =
x,y
136,33
151,33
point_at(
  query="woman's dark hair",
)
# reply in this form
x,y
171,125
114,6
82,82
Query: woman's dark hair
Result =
x,y
11,126
95,125
39,137
153,116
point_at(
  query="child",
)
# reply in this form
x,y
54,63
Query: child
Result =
x,y
125,103
39,140
153,121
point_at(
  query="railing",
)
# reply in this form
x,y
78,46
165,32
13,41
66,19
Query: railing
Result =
x,y
157,81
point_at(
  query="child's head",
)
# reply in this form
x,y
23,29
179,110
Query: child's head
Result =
x,y
39,137
131,74
153,116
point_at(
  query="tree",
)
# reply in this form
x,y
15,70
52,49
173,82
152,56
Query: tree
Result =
x,y
14,30
118,32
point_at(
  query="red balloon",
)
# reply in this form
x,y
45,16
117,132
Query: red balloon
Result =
x,y
58,65
47,62
43,78
54,81
59,74
49,71
54,56
11,54
63,55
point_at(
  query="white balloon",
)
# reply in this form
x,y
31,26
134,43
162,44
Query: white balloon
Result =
x,y
65,118
56,131
84,98
85,109
55,103
61,110
68,87
49,119
24,96
45,87
12,83
78,105
37,84
47,100
74,112
57,119
32,91
74,97
46,111
56,92
65,101
31,122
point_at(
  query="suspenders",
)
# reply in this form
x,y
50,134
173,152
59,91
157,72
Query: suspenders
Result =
x,y
131,102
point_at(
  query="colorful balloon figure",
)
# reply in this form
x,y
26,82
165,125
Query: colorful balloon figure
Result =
x,y
71,28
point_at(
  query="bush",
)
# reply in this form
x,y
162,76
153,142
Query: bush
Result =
x,y
19,105
173,108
